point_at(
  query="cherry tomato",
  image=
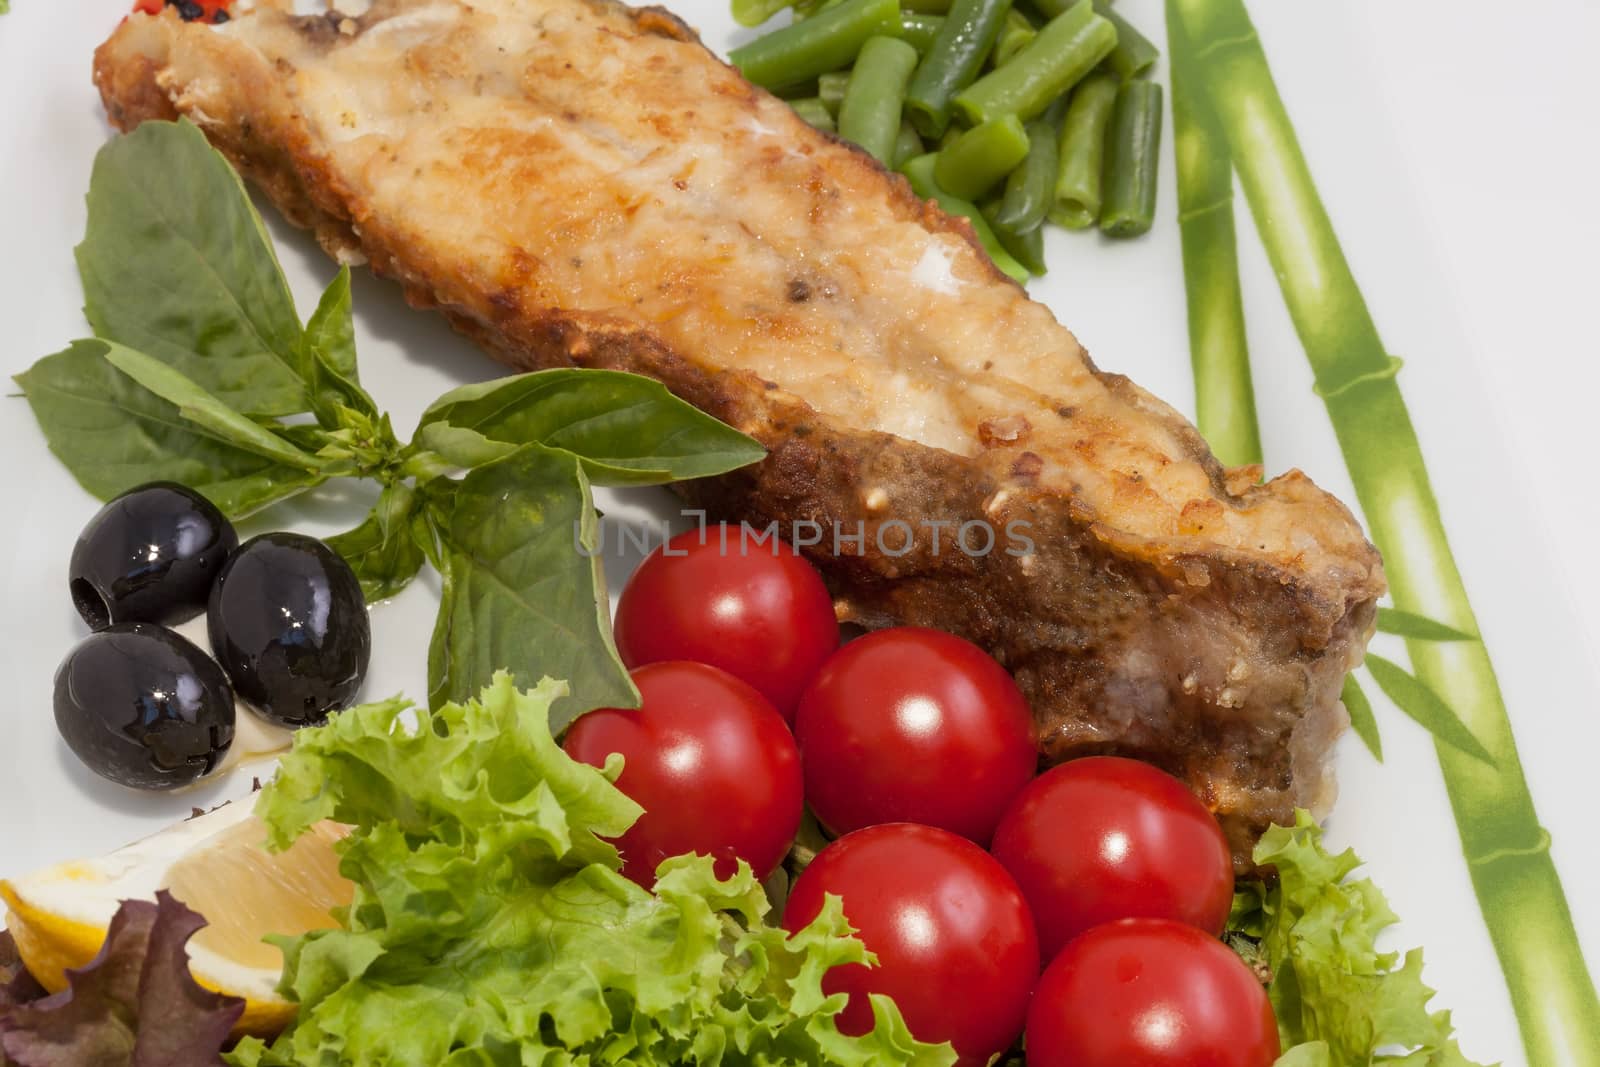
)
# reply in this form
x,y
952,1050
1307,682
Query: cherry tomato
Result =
x,y
753,607
914,725
709,760
954,940
1150,993
1106,838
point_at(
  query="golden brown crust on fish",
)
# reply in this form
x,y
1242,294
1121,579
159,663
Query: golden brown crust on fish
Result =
x,y
652,212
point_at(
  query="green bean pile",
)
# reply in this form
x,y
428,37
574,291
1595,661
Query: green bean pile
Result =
x,y
1010,113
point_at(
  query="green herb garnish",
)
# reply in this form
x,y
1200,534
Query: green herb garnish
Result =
x,y
490,925
201,373
1338,1000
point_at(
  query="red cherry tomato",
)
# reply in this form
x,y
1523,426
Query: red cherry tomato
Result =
x,y
709,760
1107,838
753,607
1150,993
953,937
914,725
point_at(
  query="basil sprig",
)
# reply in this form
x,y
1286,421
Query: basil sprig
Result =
x,y
200,372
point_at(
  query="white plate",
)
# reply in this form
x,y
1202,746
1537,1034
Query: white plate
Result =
x,y
1365,83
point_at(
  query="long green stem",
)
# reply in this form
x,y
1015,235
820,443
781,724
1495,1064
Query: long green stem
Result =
x,y
1224,395
1507,851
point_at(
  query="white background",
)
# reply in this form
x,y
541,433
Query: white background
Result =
x,y
1455,146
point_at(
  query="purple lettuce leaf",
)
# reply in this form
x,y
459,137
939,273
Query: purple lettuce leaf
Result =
x,y
134,1005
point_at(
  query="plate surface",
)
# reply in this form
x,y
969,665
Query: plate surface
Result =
x,y
1392,108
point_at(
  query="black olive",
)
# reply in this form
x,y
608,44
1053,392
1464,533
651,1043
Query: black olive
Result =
x,y
289,625
149,556
143,707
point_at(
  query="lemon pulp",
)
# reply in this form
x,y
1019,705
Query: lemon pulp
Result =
x,y
246,892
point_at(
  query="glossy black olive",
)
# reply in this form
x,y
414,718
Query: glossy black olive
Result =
x,y
289,625
141,706
149,556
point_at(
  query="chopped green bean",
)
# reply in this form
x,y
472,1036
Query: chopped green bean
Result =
x,y
827,41
926,7
953,61
830,87
908,145
814,111
919,30
799,91
1134,54
1026,248
870,113
1130,193
1066,49
919,172
1014,37
755,12
1081,152
977,160
1030,188
804,9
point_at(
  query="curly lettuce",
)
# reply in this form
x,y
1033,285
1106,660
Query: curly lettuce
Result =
x,y
134,1005
1339,1001
490,925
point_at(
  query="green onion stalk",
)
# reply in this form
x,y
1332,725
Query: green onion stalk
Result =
x,y
1224,395
1507,852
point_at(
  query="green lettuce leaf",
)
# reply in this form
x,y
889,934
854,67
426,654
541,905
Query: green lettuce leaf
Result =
x,y
1339,1000
490,925
134,1005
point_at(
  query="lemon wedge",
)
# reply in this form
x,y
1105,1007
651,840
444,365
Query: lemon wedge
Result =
x,y
217,865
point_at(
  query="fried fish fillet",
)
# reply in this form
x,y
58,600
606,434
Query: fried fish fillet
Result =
x,y
577,182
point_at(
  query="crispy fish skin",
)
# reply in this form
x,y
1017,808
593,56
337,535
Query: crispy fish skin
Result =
x,y
579,183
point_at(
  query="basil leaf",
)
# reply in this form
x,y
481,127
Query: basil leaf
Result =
x,y
524,591
205,410
461,448
175,263
328,359
383,550
112,435
629,430
331,331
